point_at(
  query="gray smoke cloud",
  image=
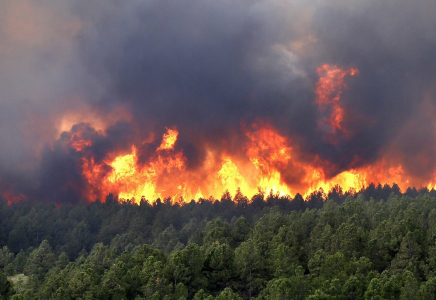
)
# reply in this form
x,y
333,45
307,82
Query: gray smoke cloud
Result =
x,y
205,67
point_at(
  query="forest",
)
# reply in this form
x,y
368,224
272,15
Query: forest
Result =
x,y
378,243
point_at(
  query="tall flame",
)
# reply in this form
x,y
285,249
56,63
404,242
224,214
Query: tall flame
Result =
x,y
271,157
328,93
270,153
270,161
130,180
169,139
274,163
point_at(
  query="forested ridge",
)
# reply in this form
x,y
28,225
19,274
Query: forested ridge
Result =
x,y
375,244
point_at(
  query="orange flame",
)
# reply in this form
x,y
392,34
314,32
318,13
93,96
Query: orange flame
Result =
x,y
270,153
328,93
270,159
130,180
270,163
169,139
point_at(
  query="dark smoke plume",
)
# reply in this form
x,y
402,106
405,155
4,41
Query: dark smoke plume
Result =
x,y
206,67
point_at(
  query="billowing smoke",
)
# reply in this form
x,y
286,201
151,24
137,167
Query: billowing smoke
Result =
x,y
82,79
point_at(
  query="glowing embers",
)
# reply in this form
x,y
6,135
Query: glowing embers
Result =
x,y
329,88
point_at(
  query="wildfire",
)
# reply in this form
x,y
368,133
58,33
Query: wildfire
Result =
x,y
130,180
269,161
270,153
169,139
272,164
328,93
271,158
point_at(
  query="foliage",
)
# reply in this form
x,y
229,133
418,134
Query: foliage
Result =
x,y
374,245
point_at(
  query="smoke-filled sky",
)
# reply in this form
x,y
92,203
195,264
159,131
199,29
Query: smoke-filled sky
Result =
x,y
122,71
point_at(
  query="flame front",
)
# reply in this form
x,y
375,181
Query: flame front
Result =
x,y
270,155
267,160
130,180
271,163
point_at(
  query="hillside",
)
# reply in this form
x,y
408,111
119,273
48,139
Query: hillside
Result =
x,y
349,247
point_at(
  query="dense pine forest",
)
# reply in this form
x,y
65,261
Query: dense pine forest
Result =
x,y
379,243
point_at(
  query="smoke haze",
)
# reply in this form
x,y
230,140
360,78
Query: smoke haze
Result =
x,y
118,73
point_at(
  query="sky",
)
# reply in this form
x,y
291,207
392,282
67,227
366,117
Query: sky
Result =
x,y
123,71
